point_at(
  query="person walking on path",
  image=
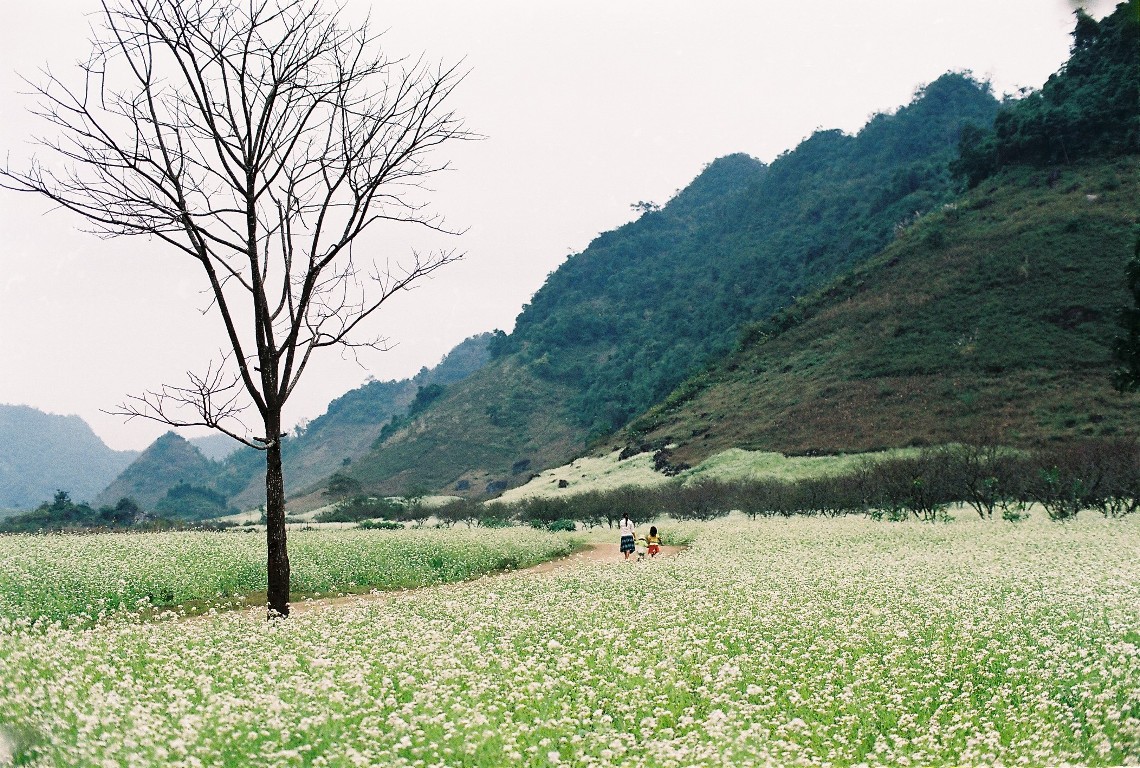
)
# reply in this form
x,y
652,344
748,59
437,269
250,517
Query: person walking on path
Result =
x,y
654,541
626,530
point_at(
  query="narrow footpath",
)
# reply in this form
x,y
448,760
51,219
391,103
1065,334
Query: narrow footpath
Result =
x,y
594,553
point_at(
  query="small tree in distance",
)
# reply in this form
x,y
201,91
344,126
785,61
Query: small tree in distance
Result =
x,y
1126,348
260,138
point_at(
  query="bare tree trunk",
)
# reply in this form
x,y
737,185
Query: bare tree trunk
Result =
x,y
259,138
278,557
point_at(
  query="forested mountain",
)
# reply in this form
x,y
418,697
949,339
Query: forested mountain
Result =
x,y
994,318
624,321
169,461
347,429
619,325
1089,108
995,315
41,453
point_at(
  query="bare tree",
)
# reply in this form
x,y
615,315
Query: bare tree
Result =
x,y
260,138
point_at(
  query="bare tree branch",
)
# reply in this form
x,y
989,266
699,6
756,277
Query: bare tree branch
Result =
x,y
261,138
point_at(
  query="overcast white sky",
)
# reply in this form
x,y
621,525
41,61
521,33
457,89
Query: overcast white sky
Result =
x,y
588,106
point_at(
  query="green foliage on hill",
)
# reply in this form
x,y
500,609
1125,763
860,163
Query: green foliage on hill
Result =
x,y
193,502
168,461
995,315
619,325
425,396
1090,108
647,304
1126,348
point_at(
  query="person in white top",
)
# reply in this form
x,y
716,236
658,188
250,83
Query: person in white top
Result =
x,y
625,527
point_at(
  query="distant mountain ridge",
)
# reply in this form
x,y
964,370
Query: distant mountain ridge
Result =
x,y
41,453
347,429
215,447
169,460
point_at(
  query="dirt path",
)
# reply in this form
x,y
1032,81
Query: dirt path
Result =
x,y
594,553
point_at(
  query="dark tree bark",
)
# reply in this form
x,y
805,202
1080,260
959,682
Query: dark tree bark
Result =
x,y
261,139
277,560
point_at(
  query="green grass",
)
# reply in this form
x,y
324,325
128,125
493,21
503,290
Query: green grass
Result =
x,y
738,464
609,472
80,579
785,642
504,414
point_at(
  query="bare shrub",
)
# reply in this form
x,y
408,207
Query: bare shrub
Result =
x,y
1120,491
541,511
989,478
762,497
702,500
459,511
596,508
591,509
901,487
1066,479
829,496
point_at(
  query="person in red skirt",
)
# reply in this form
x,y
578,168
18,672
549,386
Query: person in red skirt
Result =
x,y
654,541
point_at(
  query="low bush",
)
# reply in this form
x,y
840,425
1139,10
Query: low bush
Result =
x,y
1093,474
702,500
360,508
901,487
380,525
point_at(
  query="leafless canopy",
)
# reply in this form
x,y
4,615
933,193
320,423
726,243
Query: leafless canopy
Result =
x,y
261,138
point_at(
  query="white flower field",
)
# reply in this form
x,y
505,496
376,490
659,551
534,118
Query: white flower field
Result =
x,y
75,579
779,642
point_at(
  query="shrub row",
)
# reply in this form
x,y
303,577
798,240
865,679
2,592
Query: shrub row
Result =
x,y
1065,479
1101,475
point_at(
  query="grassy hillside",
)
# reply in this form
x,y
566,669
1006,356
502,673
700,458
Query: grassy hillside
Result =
x,y
619,325
994,314
491,431
348,428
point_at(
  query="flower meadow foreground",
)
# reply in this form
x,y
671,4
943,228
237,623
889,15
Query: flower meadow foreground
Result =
x,y
780,642
80,579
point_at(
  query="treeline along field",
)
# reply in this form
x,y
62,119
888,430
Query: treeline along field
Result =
x,y
115,573
1062,480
